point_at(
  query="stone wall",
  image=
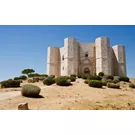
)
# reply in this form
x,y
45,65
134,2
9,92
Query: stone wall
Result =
x,y
53,61
71,56
103,55
87,62
119,52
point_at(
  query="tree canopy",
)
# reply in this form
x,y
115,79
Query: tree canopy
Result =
x,y
28,71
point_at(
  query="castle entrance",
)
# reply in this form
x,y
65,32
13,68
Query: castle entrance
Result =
x,y
86,71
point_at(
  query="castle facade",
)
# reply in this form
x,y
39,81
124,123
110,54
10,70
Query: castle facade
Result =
x,y
91,58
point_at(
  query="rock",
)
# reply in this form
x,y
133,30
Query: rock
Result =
x,y
23,106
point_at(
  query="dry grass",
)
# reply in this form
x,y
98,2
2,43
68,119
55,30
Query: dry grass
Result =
x,y
79,96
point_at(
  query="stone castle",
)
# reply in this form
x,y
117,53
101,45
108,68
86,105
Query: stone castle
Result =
x,y
92,58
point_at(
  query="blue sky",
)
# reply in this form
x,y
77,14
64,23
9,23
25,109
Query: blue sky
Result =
x,y
26,46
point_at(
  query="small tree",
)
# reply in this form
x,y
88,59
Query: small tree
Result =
x,y
28,71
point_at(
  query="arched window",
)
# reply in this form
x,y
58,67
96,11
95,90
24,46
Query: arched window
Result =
x,y
63,57
86,54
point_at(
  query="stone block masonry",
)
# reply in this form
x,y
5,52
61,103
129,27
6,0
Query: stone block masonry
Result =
x,y
91,58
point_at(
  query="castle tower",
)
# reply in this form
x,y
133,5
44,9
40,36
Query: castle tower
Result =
x,y
103,55
71,58
120,60
53,61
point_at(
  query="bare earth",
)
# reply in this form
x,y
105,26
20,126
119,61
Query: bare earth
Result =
x,y
79,96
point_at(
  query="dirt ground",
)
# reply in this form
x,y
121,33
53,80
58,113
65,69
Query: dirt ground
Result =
x,y
79,96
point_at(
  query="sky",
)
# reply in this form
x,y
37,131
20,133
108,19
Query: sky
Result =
x,y
26,46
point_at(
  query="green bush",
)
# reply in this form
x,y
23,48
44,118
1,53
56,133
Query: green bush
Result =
x,y
113,85
41,78
131,85
116,80
90,77
29,90
86,81
16,78
52,76
101,74
63,81
30,81
109,81
10,83
35,79
49,81
95,83
84,76
72,78
23,77
124,78
110,77
79,76
34,75
104,82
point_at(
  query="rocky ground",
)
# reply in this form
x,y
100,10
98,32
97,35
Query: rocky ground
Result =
x,y
79,96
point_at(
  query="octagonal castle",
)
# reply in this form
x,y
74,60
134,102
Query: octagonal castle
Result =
x,y
92,58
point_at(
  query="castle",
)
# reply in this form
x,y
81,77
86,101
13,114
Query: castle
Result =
x,y
91,58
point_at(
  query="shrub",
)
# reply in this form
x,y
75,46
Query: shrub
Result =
x,y
52,76
95,83
23,77
109,81
104,82
116,80
30,81
29,90
16,78
84,76
73,79
101,74
86,81
90,77
49,81
10,84
113,85
79,76
41,78
131,85
73,76
124,78
63,81
110,77
33,75
35,79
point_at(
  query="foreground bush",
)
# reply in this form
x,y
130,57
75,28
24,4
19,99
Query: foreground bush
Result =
x,y
113,85
131,85
63,81
49,81
95,83
124,78
116,80
29,90
104,82
23,77
72,78
101,74
30,81
79,76
10,83
110,77
86,81
84,76
35,79
90,77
